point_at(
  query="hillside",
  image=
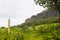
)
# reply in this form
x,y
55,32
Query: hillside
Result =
x,y
43,15
41,32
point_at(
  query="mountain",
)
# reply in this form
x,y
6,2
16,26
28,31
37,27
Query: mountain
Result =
x,y
51,15
45,17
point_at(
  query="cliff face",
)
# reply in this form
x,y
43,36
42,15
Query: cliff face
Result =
x,y
43,15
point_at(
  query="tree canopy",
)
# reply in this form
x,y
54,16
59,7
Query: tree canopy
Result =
x,y
55,4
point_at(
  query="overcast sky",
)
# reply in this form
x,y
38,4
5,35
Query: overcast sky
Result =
x,y
17,10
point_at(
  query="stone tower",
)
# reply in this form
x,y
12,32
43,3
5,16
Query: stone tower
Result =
x,y
8,25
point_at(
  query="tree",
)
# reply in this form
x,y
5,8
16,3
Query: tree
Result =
x,y
55,4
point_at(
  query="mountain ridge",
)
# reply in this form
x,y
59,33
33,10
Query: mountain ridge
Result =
x,y
43,15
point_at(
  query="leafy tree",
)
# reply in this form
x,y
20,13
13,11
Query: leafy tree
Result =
x,y
55,4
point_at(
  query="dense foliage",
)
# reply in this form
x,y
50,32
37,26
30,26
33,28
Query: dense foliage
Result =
x,y
41,32
55,4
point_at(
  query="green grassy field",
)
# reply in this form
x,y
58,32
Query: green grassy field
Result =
x,y
40,32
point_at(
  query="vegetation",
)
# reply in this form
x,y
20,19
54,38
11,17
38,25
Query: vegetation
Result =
x,y
41,32
49,3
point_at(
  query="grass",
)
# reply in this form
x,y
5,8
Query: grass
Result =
x,y
41,32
